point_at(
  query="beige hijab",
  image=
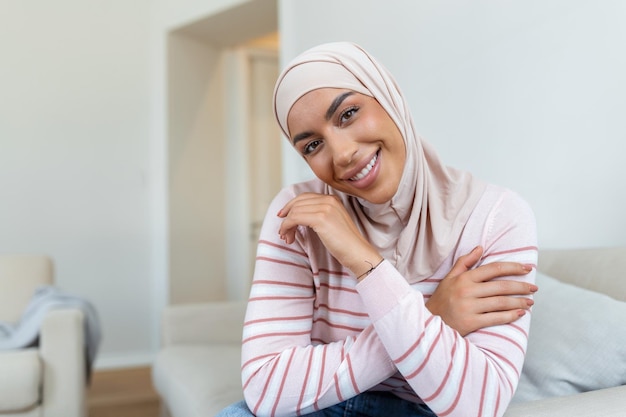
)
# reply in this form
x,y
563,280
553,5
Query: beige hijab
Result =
x,y
420,226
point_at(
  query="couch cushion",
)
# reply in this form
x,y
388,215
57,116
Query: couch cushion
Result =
x,y
577,342
20,379
198,380
605,403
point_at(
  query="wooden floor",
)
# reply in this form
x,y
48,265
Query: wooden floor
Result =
x,y
124,392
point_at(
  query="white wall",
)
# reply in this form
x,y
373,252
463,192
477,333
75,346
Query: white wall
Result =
x,y
75,156
530,95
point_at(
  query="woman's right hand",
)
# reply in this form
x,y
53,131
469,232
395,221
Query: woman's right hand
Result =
x,y
326,215
470,299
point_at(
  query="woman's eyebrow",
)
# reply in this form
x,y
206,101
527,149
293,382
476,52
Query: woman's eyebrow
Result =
x,y
301,136
336,103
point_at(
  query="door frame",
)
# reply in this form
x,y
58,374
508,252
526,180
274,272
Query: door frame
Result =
x,y
239,248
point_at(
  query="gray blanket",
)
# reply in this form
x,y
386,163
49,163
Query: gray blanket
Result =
x,y
25,333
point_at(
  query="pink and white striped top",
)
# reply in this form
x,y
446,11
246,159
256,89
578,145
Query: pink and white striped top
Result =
x,y
313,337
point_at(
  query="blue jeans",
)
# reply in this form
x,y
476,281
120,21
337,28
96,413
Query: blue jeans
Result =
x,y
367,404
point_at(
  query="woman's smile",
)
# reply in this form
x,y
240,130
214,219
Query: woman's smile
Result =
x,y
367,175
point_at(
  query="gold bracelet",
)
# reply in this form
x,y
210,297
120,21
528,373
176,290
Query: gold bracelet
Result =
x,y
373,267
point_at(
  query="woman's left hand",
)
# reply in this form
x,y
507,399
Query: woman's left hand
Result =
x,y
326,215
468,298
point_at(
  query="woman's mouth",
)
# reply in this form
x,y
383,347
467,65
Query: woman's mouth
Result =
x,y
366,170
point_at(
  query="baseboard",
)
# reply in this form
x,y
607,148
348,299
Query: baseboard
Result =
x,y
127,360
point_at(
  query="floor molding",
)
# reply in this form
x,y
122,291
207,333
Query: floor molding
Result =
x,y
130,360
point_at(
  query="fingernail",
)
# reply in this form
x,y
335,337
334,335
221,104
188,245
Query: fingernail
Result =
x,y
521,313
534,288
529,302
527,267
279,212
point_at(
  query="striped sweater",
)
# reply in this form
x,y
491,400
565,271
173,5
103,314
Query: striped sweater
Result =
x,y
314,337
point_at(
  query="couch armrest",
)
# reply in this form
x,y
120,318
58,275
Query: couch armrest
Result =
x,y
609,402
215,322
62,349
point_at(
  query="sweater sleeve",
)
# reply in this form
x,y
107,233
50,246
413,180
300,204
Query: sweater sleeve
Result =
x,y
456,376
285,372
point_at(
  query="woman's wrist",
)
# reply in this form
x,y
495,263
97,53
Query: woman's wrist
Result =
x,y
362,259
372,267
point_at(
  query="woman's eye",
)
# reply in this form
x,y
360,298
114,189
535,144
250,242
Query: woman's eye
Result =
x,y
311,146
348,114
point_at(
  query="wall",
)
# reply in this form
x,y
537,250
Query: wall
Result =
x,y
530,95
75,156
195,171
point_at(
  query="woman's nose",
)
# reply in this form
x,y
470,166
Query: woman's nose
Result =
x,y
343,149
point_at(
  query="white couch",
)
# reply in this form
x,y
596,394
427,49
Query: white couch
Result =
x,y
197,371
47,380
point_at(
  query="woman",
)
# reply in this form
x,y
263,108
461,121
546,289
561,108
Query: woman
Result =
x,y
374,290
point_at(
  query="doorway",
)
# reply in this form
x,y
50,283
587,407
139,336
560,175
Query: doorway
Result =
x,y
224,158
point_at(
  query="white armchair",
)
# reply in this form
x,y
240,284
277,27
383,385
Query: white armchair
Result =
x,y
47,380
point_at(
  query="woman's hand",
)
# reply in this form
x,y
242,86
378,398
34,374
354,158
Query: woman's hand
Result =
x,y
327,216
469,299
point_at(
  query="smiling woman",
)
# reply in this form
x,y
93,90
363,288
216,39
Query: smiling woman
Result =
x,y
374,283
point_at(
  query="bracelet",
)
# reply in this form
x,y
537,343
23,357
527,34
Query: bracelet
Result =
x,y
373,267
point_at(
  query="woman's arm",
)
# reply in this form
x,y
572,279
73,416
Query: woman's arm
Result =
x,y
457,376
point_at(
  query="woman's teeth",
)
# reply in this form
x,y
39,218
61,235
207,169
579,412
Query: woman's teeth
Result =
x,y
365,170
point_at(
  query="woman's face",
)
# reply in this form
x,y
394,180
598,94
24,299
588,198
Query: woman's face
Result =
x,y
349,141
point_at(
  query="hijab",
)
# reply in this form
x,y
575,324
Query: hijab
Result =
x,y
420,226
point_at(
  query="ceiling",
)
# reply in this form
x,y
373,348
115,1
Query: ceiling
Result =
x,y
236,25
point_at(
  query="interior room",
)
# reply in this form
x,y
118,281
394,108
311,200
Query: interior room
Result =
x,y
139,151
